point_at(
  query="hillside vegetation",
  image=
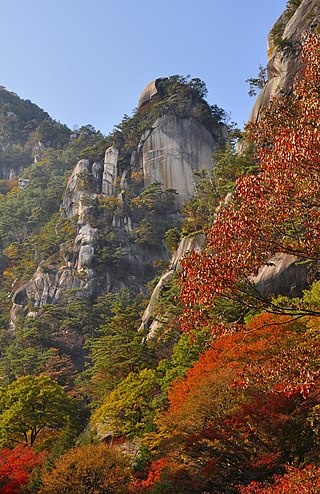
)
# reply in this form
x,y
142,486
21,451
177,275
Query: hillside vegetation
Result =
x,y
225,398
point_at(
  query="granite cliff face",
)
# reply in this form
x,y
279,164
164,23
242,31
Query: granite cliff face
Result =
x,y
169,152
284,274
173,149
283,52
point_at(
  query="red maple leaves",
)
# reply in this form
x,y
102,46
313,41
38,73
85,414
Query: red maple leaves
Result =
x,y
16,466
276,210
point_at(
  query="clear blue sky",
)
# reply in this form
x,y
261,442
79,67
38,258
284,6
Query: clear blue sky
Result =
x,y
87,61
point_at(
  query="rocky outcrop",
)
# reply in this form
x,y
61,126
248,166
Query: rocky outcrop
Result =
x,y
150,319
283,275
173,149
284,58
149,94
169,152
110,171
47,286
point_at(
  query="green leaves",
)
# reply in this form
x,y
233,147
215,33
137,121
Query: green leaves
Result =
x,y
29,405
130,408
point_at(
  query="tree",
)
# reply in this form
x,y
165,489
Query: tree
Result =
x,y
129,409
118,347
275,210
90,469
257,83
30,405
295,481
16,466
249,405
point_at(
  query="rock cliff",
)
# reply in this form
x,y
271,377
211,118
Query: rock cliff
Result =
x,y
284,274
115,244
173,149
283,51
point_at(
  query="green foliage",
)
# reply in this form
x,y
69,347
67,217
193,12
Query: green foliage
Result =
x,y
257,83
59,328
184,354
312,295
172,238
18,118
229,166
129,409
279,27
118,347
155,212
85,143
213,185
51,134
29,406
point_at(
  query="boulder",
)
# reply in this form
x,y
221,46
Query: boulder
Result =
x,y
283,275
149,93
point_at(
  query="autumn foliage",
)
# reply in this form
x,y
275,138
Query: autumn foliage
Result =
x,y
275,210
89,469
245,409
295,481
243,415
16,466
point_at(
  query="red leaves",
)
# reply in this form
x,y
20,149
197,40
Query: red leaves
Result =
x,y
294,481
273,211
16,466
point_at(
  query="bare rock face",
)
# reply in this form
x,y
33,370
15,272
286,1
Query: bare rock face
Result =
x,y
173,149
284,60
74,197
110,171
50,282
283,275
148,94
149,320
168,153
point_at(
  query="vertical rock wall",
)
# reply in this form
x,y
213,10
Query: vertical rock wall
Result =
x,y
173,149
284,59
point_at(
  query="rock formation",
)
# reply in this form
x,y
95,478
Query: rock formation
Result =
x,y
149,94
284,61
149,320
169,153
173,149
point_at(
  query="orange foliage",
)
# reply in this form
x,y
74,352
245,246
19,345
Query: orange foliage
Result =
x,y
245,407
92,469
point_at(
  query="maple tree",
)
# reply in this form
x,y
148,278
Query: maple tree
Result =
x,y
274,210
295,481
16,466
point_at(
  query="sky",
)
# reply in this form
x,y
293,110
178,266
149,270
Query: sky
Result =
x,y
87,61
